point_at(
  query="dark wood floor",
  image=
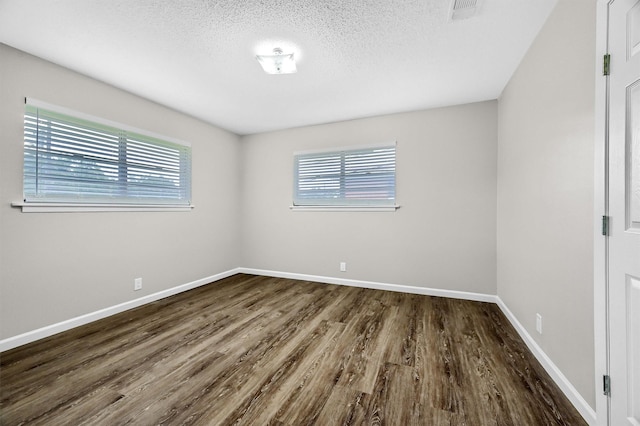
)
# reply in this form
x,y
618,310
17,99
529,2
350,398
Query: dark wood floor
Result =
x,y
265,351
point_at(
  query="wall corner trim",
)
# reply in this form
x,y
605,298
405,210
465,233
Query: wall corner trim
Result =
x,y
560,379
50,330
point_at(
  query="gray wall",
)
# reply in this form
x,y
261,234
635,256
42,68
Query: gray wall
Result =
x,y
545,191
56,266
444,234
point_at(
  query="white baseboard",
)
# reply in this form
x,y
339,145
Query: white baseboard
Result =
x,y
454,294
563,383
50,330
560,379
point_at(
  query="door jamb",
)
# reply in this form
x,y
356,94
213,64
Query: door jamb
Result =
x,y
600,243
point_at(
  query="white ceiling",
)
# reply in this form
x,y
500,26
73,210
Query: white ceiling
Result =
x,y
356,58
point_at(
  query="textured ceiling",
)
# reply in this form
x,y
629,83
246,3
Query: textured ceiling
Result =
x,y
356,58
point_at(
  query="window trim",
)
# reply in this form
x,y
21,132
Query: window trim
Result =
x,y
120,205
45,207
353,207
345,208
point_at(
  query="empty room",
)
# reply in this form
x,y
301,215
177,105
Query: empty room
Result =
x,y
320,212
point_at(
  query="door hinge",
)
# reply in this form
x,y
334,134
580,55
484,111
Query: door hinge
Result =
x,y
606,64
605,225
606,384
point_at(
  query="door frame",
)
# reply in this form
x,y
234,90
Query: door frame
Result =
x,y
600,243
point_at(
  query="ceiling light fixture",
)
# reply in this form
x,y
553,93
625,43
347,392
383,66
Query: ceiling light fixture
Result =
x,y
278,63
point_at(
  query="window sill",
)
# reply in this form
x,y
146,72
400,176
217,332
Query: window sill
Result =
x,y
345,208
84,208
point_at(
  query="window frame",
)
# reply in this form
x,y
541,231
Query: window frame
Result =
x,y
343,203
129,198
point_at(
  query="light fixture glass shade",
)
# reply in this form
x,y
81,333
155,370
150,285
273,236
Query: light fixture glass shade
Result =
x,y
278,63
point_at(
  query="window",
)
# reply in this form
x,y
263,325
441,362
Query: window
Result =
x,y
70,158
364,177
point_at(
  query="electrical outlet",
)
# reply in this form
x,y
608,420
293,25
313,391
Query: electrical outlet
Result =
x,y
539,323
343,266
137,284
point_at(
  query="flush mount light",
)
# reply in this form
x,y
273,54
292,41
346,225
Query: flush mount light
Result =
x,y
278,63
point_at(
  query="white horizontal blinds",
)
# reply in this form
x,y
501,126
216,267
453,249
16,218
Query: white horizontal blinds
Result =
x,y
319,178
157,170
371,175
356,177
69,159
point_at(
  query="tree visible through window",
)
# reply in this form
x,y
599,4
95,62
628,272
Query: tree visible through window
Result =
x,y
74,160
356,177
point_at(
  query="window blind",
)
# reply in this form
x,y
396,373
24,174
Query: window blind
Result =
x,y
74,160
356,177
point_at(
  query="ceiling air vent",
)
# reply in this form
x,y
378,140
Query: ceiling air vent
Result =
x,y
463,9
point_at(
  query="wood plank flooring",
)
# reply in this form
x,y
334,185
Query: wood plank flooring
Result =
x,y
252,350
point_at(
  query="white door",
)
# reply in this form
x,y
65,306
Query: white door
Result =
x,y
624,211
